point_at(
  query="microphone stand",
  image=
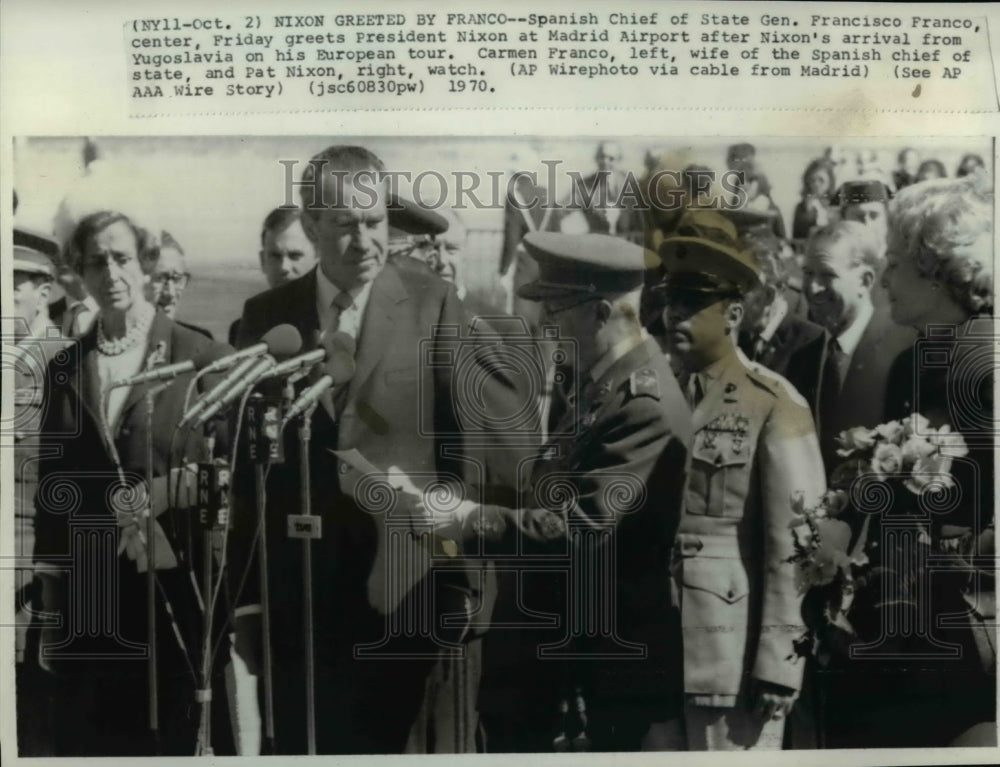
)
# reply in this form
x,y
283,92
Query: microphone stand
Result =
x,y
152,677
305,435
265,606
266,448
211,516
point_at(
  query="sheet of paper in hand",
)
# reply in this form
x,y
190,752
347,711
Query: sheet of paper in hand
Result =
x,y
405,533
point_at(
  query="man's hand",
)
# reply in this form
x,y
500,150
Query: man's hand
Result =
x,y
773,701
450,523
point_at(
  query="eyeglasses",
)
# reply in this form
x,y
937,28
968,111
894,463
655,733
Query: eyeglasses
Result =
x,y
177,278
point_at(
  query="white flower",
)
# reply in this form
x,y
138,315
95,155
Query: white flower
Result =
x,y
933,470
950,443
915,448
915,423
851,440
891,431
887,459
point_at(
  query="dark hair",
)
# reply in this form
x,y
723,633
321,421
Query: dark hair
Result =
x,y
279,219
741,151
819,164
167,242
967,159
341,157
937,165
89,226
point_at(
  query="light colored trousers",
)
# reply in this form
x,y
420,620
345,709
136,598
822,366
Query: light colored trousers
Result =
x,y
715,729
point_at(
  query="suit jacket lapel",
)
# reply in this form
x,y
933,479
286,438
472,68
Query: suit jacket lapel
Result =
x,y
302,311
88,385
377,324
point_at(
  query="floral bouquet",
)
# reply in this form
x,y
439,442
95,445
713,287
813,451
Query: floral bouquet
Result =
x,y
830,571
909,449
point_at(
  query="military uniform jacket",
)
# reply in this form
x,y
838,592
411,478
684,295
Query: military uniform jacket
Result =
x,y
31,359
605,494
754,446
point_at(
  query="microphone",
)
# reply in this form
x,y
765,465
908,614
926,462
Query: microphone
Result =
x,y
282,341
339,367
167,372
307,398
163,373
295,364
257,370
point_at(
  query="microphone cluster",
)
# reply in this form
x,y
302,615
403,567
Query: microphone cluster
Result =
x,y
277,356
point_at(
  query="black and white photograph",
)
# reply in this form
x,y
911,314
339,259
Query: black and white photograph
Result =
x,y
364,444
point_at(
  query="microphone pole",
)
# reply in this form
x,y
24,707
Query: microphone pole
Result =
x,y
264,416
151,670
213,514
307,527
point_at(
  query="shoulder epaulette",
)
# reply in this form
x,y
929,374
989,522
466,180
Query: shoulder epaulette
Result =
x,y
644,383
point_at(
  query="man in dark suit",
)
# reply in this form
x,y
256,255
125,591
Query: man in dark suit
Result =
x,y
285,252
403,408
608,204
843,266
599,508
169,280
771,334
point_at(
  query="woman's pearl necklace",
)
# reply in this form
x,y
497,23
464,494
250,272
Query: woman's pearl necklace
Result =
x,y
138,327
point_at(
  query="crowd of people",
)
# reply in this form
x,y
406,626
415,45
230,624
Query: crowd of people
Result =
x,y
579,539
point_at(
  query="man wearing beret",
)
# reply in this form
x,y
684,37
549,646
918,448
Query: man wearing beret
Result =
x,y
584,554
37,342
754,447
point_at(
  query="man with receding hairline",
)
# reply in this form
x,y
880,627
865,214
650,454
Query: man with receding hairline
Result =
x,y
397,411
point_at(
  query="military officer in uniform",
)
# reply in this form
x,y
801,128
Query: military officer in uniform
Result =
x,y
754,447
37,343
600,505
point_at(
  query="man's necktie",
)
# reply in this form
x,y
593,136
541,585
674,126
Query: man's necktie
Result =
x,y
837,360
694,390
341,303
834,371
334,401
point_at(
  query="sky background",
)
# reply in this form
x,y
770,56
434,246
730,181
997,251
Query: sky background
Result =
x,y
212,193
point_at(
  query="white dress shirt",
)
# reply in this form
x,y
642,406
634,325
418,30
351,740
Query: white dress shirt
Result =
x,y
851,336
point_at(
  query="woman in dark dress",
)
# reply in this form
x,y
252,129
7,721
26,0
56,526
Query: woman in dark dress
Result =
x,y
90,545
939,277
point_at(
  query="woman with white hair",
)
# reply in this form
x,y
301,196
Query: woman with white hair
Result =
x,y
939,277
90,549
